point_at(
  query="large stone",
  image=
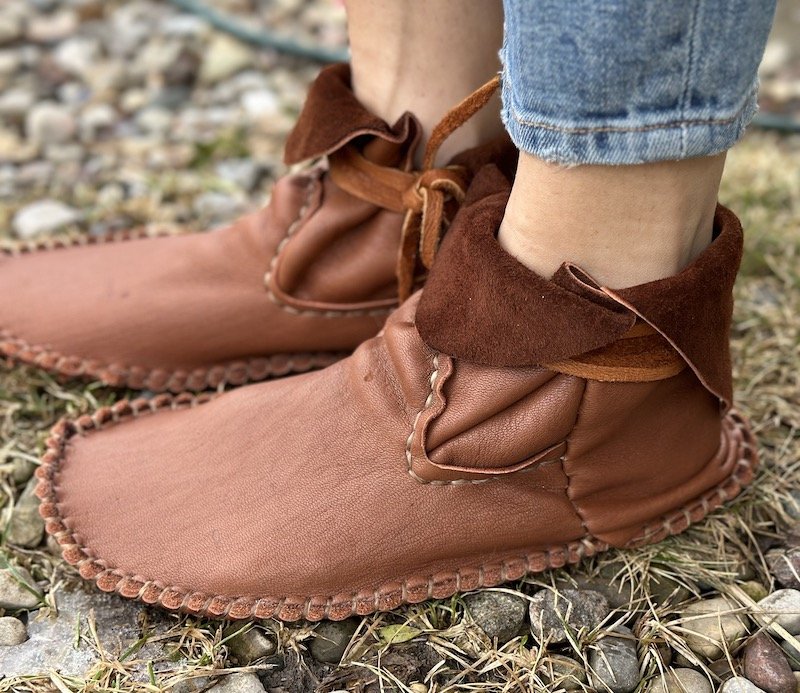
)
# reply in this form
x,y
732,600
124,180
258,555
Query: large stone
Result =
x,y
712,626
12,631
26,527
552,613
43,217
331,639
500,615
52,645
783,608
18,590
739,684
613,662
680,681
766,666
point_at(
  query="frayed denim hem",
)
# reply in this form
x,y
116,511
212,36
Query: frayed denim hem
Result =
x,y
613,144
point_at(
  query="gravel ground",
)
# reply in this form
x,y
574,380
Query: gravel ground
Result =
x,y
115,114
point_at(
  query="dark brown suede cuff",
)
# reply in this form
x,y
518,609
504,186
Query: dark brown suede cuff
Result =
x,y
332,116
482,305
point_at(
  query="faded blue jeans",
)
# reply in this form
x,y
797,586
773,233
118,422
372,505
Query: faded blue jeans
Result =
x,y
630,81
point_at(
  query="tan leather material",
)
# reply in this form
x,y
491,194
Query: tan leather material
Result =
x,y
632,358
397,474
639,450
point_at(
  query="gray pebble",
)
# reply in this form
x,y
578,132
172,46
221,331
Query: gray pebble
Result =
x,y
51,28
154,120
712,626
216,207
739,684
792,504
77,55
766,666
785,566
244,173
680,681
783,607
43,217
12,631
97,120
15,103
792,654
224,56
613,661
50,123
26,527
500,615
331,639
250,645
16,595
550,611
10,28
238,683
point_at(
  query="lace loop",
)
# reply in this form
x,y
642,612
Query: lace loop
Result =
x,y
423,195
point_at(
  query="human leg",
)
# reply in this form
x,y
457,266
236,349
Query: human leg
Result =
x,y
406,59
623,156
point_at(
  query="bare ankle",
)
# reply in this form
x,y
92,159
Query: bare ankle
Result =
x,y
625,225
425,58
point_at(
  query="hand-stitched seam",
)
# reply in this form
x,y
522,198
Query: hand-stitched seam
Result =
x,y
314,176
136,377
339,606
49,243
429,401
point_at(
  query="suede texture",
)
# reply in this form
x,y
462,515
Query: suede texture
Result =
x,y
333,116
482,305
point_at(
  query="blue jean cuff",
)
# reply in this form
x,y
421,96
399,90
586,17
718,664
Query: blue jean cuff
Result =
x,y
620,143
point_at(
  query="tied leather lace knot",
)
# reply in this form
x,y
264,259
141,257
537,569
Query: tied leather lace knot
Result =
x,y
423,195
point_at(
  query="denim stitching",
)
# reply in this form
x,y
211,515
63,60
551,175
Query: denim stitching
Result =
x,y
643,128
687,77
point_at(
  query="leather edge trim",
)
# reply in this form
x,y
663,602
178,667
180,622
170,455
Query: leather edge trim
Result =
x,y
160,380
389,596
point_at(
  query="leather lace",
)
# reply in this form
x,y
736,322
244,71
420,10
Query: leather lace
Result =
x,y
423,195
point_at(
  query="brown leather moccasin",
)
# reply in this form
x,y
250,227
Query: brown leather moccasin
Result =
x,y
294,286
494,428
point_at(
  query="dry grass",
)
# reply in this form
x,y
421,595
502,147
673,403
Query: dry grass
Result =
x,y
444,651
